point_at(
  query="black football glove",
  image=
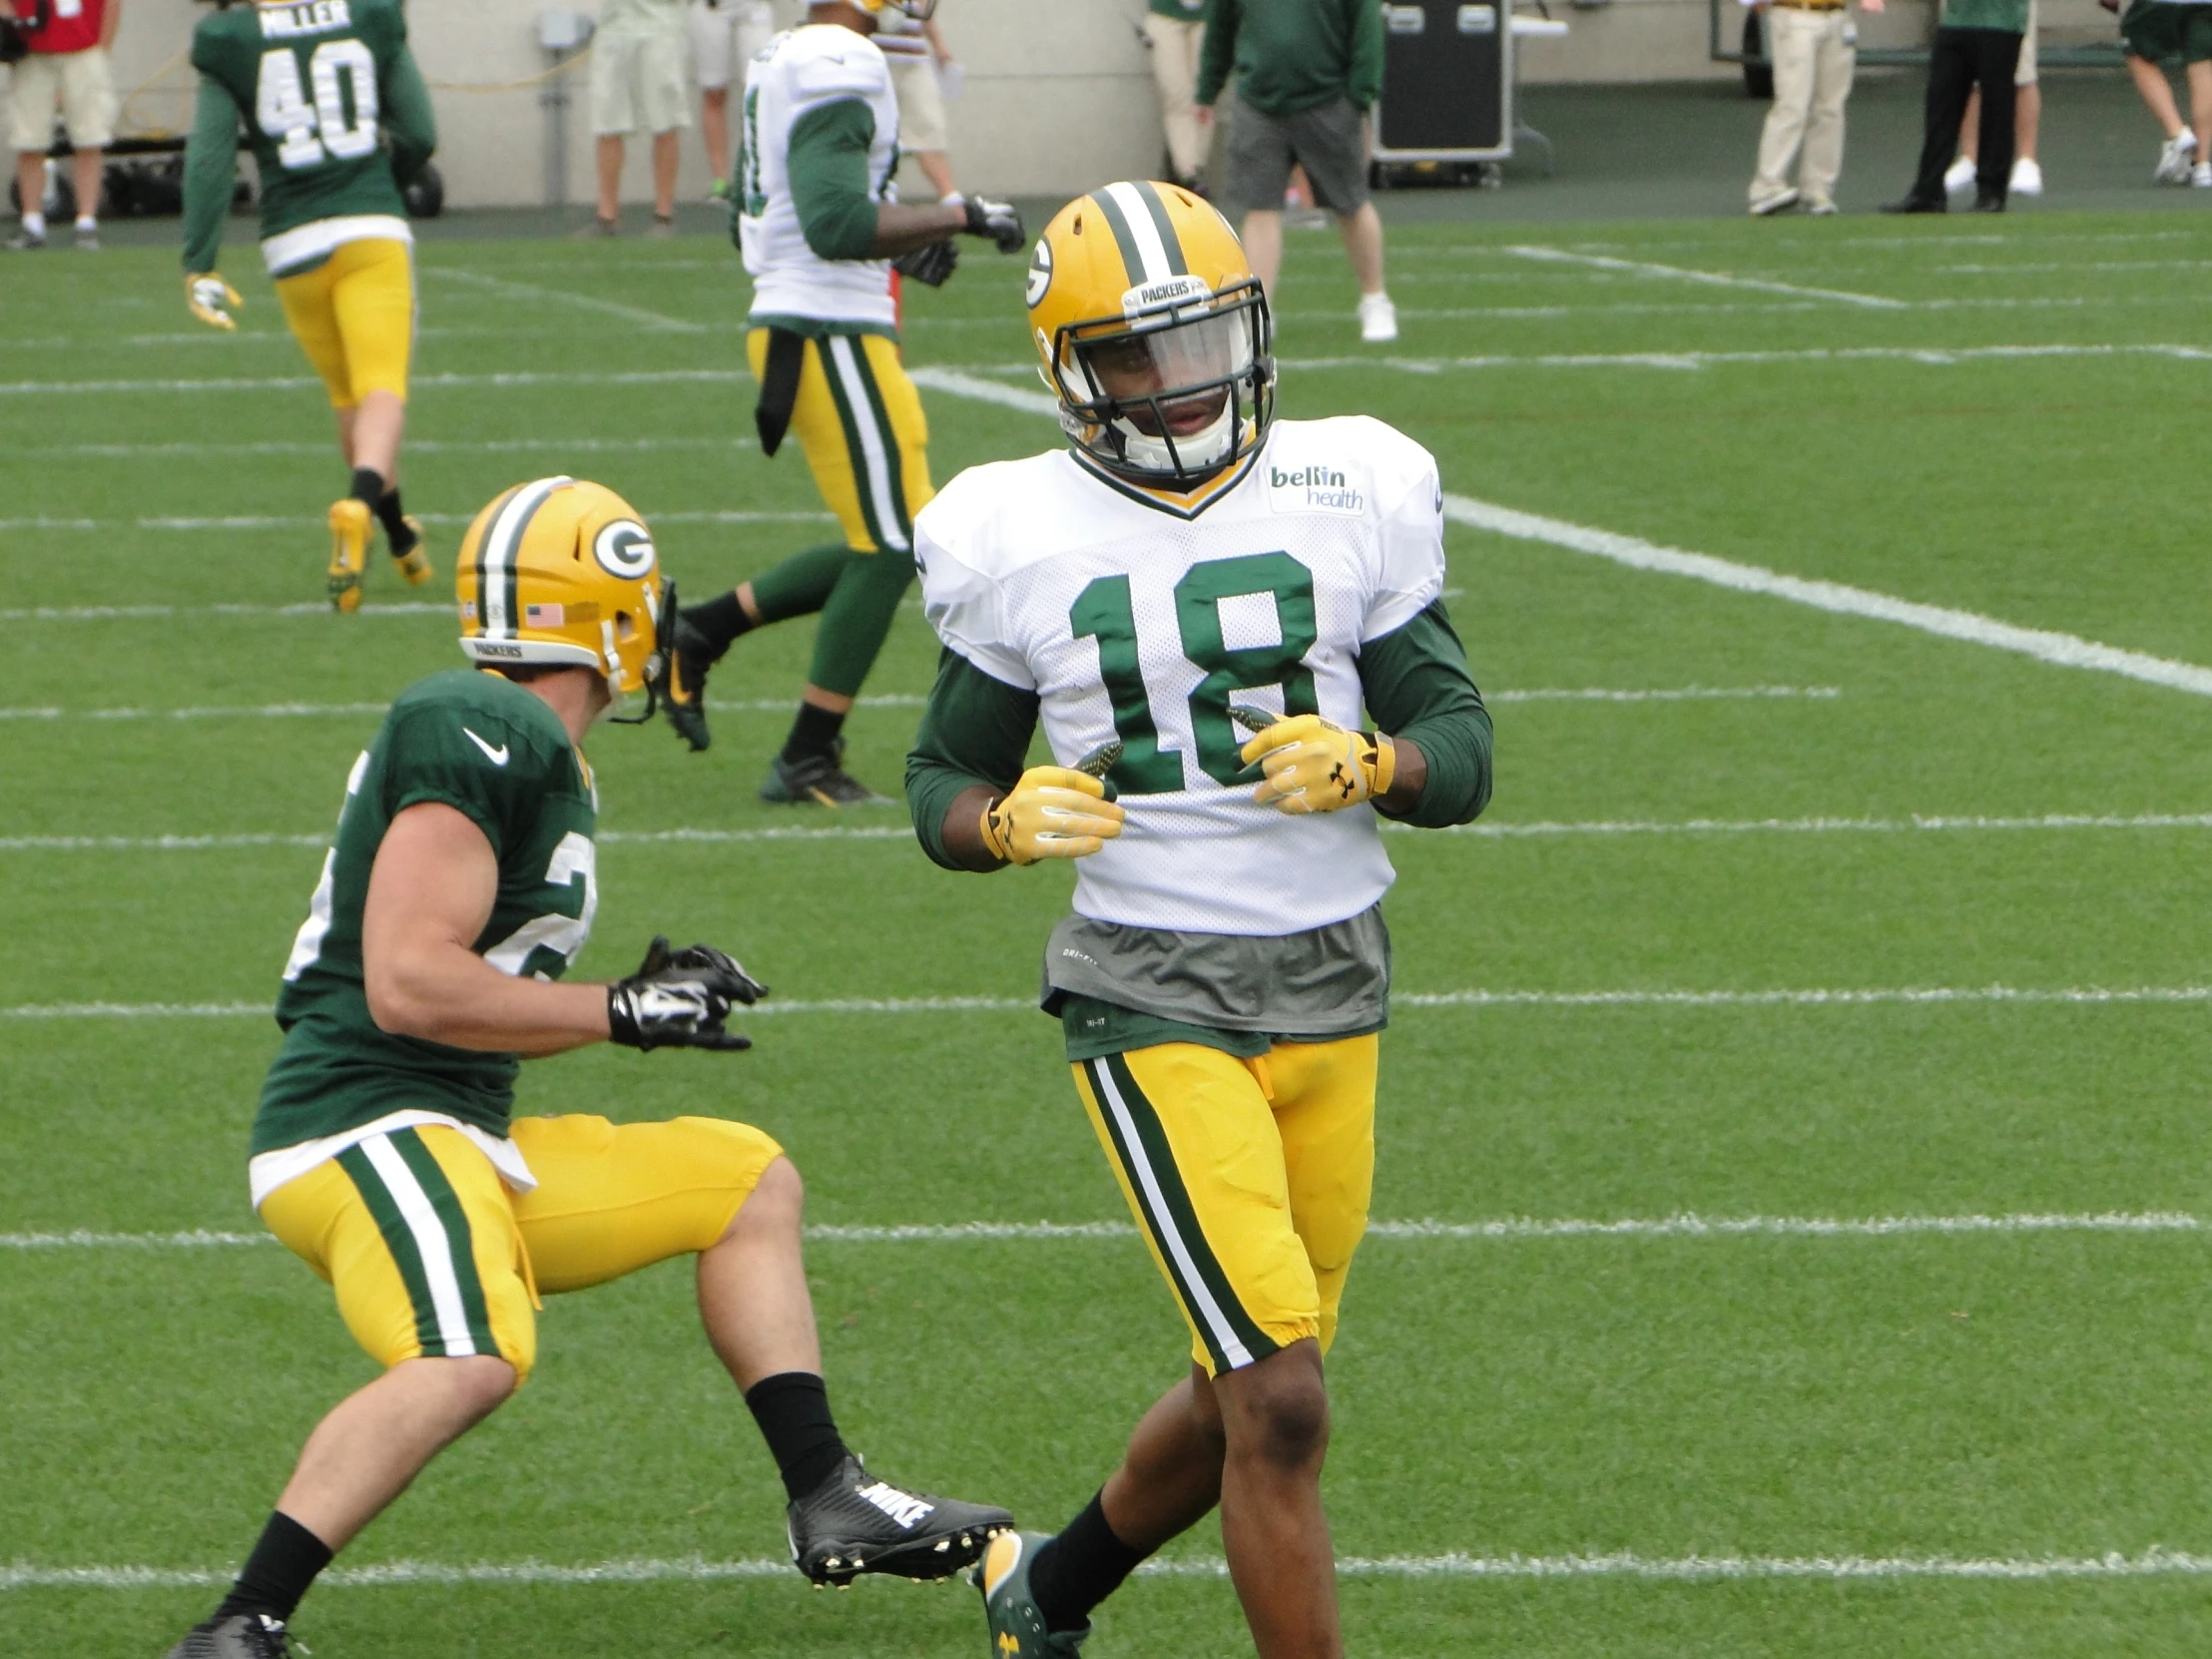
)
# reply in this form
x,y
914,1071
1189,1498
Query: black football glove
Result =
x,y
928,265
997,221
679,999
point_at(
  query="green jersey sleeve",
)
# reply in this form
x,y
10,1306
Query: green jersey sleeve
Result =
x,y
211,169
975,729
829,163
1417,685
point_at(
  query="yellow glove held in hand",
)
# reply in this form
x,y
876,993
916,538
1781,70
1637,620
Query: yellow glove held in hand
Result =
x,y
207,294
1315,766
1054,812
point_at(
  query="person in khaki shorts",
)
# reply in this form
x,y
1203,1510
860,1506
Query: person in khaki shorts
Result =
x,y
915,52
1175,30
1810,44
640,83
67,71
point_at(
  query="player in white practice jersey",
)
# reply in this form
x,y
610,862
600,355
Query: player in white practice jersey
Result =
x,y
1187,572
821,227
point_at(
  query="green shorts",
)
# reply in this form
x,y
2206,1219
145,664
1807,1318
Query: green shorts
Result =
x,y
2160,31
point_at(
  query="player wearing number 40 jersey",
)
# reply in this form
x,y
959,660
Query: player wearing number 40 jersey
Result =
x,y
1205,598
461,883
338,120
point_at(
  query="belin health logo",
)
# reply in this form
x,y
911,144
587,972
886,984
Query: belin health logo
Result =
x,y
1313,489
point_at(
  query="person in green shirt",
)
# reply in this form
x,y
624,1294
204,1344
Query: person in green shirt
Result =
x,y
338,120
1977,44
1307,74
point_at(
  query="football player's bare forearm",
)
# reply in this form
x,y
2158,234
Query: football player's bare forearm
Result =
x,y
1409,779
441,991
901,230
963,830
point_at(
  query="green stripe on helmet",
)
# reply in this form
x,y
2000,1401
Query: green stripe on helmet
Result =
x,y
1125,238
1169,240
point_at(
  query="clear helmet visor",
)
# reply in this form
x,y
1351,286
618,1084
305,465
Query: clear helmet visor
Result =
x,y
1170,390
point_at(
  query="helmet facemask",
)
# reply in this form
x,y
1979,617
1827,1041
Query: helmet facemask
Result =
x,y
1172,392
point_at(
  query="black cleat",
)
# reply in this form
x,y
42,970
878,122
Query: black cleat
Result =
x,y
237,1636
683,682
854,1524
821,780
1018,1630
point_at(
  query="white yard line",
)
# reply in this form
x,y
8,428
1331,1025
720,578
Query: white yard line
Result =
x,y
424,446
1839,996
111,612
903,700
2152,1563
1917,823
316,522
2064,650
1690,362
1714,279
288,382
961,385
1507,1229
658,322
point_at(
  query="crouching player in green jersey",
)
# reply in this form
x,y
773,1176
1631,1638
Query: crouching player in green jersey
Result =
x,y
1190,566
460,886
339,119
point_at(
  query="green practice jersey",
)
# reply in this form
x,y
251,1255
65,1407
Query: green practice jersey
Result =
x,y
334,111
488,748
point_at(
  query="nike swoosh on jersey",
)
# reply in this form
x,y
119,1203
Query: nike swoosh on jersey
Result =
x,y
497,757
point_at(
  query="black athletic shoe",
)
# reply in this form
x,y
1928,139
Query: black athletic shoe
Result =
x,y
1018,1630
854,1524
819,779
240,1636
683,683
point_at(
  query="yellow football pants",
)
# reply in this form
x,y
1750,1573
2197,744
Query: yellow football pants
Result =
x,y
431,1254
859,420
355,315
1248,1179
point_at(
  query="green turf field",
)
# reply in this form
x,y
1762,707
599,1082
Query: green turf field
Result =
x,y
1730,829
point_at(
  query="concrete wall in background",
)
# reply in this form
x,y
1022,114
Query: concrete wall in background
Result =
x,y
1059,92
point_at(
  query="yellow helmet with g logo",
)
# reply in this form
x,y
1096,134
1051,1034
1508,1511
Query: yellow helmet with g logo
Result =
x,y
920,9
563,573
1154,334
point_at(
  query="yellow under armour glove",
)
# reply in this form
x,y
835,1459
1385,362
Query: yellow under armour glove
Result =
x,y
1054,812
1315,766
207,294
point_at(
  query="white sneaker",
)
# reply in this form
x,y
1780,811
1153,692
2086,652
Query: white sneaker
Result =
x,y
1766,207
2174,159
2201,175
1378,318
2027,177
1960,175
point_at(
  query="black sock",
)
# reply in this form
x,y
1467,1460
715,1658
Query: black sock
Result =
x,y
397,531
792,1410
369,486
1083,1565
278,1571
718,621
814,732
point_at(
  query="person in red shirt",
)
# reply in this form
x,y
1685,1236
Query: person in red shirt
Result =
x,y
66,71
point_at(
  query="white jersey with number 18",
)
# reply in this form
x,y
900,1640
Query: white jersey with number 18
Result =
x,y
1132,619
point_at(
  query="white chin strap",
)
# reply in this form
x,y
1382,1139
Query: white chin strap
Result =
x,y
1205,447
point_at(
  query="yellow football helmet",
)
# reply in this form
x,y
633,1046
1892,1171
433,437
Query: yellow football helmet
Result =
x,y
1155,336
563,572
920,9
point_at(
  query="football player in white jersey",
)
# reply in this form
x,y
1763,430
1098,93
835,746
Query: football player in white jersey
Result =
x,y
1186,567
820,226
